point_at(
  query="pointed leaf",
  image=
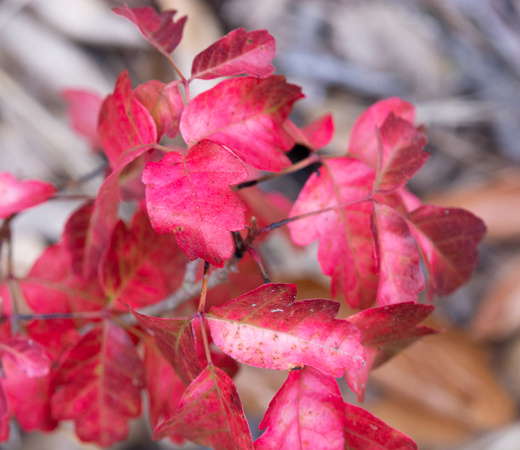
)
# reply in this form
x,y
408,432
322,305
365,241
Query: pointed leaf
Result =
x,y
363,139
15,196
175,339
164,387
141,267
29,356
98,385
267,328
210,413
190,196
247,115
315,135
238,53
365,431
164,102
448,239
124,123
400,275
402,153
346,251
386,331
83,111
159,29
307,412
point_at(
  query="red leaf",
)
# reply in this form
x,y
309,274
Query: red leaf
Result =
x,y
363,139
29,356
267,328
159,29
83,110
306,413
365,431
124,123
210,413
98,385
141,267
247,115
314,136
164,387
29,398
346,250
238,53
175,338
15,196
190,196
164,102
386,331
4,415
448,239
400,276
402,153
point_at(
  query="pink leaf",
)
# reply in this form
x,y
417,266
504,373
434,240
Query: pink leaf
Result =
x,y
365,431
164,102
238,53
124,123
15,196
159,29
175,338
210,413
346,252
267,328
402,153
4,415
190,196
448,239
314,136
164,387
83,111
400,276
363,139
141,267
386,331
306,413
247,115
28,355
99,383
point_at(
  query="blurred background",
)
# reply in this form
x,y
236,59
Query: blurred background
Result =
x,y
458,61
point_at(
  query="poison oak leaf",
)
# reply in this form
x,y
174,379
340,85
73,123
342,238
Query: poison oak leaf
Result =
x,y
401,153
246,115
141,267
237,53
267,328
29,397
83,111
400,276
175,339
447,239
365,431
98,385
386,330
341,188
364,143
315,135
159,29
29,356
15,196
190,196
164,387
210,413
124,123
306,413
164,103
